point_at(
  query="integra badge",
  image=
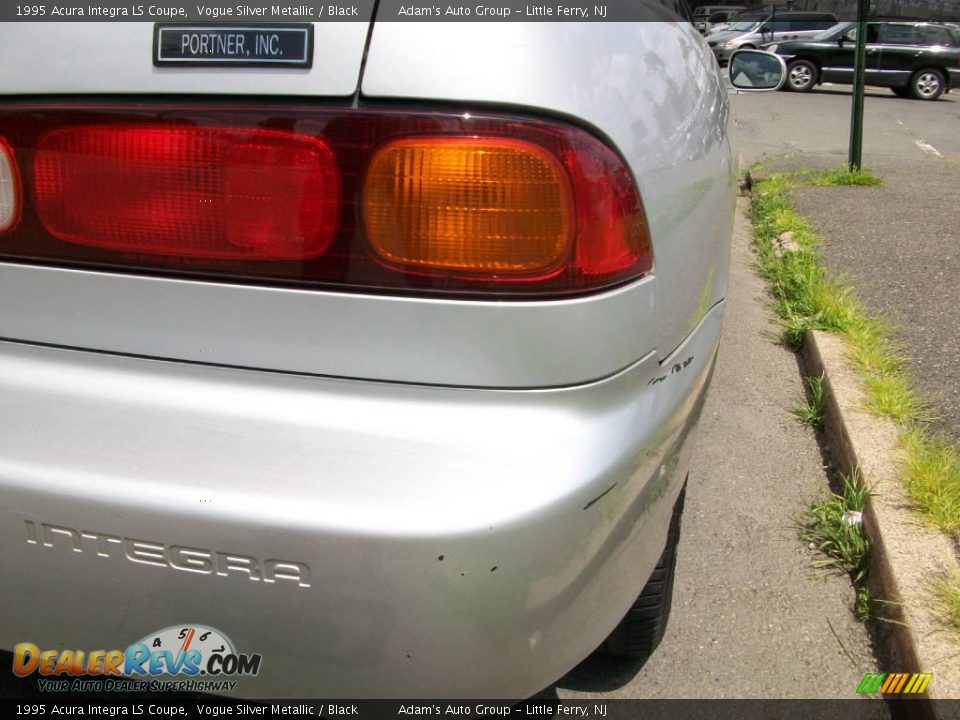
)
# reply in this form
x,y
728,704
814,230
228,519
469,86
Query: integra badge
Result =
x,y
176,557
267,45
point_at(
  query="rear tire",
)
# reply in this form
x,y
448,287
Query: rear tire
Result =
x,y
801,76
927,84
642,628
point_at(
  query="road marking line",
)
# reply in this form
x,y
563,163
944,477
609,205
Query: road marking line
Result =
x,y
928,148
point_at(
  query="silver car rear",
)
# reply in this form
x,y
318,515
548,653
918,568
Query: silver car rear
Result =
x,y
384,490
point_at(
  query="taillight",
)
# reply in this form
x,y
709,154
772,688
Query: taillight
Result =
x,y
477,205
328,198
187,191
10,192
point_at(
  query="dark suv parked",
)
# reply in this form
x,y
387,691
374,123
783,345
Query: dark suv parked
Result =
x,y
914,59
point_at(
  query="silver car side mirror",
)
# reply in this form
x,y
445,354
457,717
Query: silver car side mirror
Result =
x,y
757,71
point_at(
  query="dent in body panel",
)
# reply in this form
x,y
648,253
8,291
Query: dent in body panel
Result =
x,y
616,542
485,479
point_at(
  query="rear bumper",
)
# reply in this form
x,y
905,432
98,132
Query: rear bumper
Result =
x,y
722,54
447,542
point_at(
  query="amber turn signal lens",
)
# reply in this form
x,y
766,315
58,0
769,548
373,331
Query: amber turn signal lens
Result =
x,y
470,205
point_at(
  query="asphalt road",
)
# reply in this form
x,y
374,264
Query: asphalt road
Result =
x,y
898,245
751,618
816,126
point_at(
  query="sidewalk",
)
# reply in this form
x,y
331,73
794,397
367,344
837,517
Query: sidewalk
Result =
x,y
898,245
895,246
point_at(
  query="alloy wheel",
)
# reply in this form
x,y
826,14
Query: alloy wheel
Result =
x,y
928,84
800,76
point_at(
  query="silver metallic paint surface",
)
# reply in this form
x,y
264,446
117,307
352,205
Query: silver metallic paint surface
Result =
x,y
652,87
116,57
368,484
418,340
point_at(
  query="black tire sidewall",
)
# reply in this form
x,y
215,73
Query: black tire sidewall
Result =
x,y
640,631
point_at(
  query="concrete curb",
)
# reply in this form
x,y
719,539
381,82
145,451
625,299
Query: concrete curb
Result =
x,y
905,554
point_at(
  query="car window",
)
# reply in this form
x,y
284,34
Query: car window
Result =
x,y
834,32
704,10
900,34
850,31
775,26
746,24
810,24
933,35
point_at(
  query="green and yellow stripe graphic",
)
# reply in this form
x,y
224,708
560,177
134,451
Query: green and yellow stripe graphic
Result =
x,y
894,683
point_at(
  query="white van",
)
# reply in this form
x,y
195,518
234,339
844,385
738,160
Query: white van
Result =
x,y
702,14
754,29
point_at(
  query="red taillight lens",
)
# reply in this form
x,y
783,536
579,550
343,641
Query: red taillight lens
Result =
x,y
363,200
188,191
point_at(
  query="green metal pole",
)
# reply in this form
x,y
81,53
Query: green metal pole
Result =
x,y
856,115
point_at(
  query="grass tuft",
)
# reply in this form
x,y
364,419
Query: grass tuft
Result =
x,y
806,297
931,473
812,409
869,346
946,592
865,605
890,395
845,176
843,544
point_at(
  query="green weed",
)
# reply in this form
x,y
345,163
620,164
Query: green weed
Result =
x,y
812,409
845,176
842,542
946,591
931,473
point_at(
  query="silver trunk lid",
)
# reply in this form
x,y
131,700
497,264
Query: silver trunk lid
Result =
x,y
105,57
387,337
